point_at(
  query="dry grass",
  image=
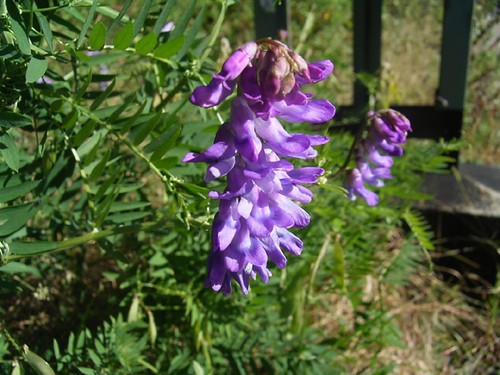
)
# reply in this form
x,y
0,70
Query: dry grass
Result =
x,y
441,333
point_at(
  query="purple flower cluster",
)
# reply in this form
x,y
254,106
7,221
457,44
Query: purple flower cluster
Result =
x,y
259,204
387,130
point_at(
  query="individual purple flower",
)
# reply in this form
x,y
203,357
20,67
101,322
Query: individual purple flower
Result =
x,y
45,80
169,26
387,130
264,193
223,84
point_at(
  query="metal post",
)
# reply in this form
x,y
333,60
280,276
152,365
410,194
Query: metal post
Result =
x,y
455,53
270,19
367,17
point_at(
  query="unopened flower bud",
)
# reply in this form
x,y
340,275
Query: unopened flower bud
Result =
x,y
278,71
287,84
396,120
301,65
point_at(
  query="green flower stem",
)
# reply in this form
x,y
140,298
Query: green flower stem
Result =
x,y
315,268
92,236
353,148
133,52
10,339
48,9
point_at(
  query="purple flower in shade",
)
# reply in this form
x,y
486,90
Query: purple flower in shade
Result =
x,y
387,130
169,26
91,53
262,198
45,80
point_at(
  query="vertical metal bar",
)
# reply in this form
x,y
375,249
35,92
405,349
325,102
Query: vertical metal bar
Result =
x,y
367,17
270,19
455,53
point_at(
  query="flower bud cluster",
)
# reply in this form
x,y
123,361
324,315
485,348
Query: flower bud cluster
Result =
x,y
386,131
261,201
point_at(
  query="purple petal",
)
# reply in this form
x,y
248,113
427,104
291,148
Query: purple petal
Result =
x,y
271,245
214,93
318,71
289,241
355,186
169,26
221,168
243,125
263,272
306,175
299,216
225,226
284,144
374,156
297,192
315,111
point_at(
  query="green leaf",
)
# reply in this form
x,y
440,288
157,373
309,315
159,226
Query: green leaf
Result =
x,y
338,264
84,86
17,368
127,217
141,17
14,218
141,132
36,69
14,120
152,329
180,26
37,363
198,370
12,192
169,139
124,37
98,36
127,206
87,23
193,31
170,48
104,206
108,11
9,151
146,44
420,228
44,24
31,248
21,36
16,267
133,311
90,143
96,172
103,96
162,18
121,15
70,119
166,163
195,189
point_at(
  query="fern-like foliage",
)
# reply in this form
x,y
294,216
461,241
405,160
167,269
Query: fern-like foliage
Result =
x,y
420,228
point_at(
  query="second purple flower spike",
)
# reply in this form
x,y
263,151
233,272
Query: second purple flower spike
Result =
x,y
386,132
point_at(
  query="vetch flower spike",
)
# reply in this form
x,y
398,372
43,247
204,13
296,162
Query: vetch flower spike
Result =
x,y
387,130
262,199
